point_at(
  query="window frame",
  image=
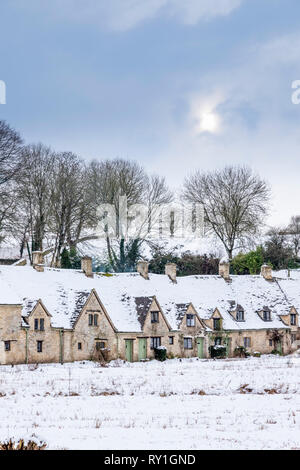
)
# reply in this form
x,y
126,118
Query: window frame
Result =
x,y
238,313
247,339
267,313
95,321
79,346
100,345
293,319
155,342
36,324
42,324
7,346
39,346
218,322
155,316
190,320
91,319
188,343
171,340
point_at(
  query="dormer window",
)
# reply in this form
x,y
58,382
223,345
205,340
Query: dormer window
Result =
x,y
39,324
293,319
154,317
93,319
240,315
266,315
217,323
190,320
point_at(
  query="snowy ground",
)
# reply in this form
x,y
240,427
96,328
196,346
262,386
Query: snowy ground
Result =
x,y
190,404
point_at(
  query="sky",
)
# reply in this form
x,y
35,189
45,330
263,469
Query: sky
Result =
x,y
175,85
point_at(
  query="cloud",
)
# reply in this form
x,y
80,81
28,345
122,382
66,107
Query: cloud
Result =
x,y
244,115
122,15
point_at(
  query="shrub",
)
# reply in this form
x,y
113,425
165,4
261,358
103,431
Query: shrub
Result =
x,y
240,351
31,445
217,351
274,351
160,353
248,263
256,354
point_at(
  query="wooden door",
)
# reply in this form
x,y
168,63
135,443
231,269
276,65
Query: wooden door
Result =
x,y
142,349
129,350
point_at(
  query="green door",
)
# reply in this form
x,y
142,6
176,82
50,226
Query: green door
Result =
x,y
228,347
279,347
142,349
200,348
129,350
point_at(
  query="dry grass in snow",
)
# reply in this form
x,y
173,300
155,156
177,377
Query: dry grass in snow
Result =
x,y
192,404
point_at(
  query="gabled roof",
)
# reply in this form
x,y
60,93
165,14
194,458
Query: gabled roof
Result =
x,y
39,302
126,296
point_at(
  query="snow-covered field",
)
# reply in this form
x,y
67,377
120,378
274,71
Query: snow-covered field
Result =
x,y
249,403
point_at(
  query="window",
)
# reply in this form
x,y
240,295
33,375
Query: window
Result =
x,y
217,324
93,319
293,337
267,315
39,346
39,324
218,341
190,320
293,319
100,345
188,344
7,346
155,342
79,346
171,339
240,315
247,342
270,342
154,317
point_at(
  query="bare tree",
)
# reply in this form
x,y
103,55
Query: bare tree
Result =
x,y
10,152
234,201
71,210
34,192
114,178
293,230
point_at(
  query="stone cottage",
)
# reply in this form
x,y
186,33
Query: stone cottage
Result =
x,y
55,315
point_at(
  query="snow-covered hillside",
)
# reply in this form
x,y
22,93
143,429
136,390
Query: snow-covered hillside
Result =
x,y
249,403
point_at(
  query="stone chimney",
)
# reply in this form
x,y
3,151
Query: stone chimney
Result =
x,y
38,261
266,272
170,270
87,266
224,269
142,268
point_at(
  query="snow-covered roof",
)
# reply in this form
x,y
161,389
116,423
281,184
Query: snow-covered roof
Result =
x,y
127,296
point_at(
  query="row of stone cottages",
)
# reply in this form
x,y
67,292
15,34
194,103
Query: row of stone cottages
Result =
x,y
55,315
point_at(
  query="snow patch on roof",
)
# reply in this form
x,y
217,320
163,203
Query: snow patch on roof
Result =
x,y
127,296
